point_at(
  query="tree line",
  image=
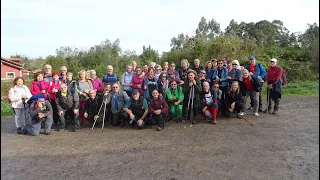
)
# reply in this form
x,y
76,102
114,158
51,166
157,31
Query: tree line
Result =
x,y
298,53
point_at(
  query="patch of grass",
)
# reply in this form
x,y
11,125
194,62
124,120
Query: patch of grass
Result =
x,y
6,109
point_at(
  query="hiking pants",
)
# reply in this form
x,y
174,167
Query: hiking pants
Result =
x,y
34,129
176,111
119,118
75,119
255,101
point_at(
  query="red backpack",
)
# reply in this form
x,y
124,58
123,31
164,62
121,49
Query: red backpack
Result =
x,y
283,77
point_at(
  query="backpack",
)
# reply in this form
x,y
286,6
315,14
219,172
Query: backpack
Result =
x,y
283,77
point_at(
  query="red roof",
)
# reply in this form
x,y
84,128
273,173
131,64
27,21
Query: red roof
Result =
x,y
14,59
11,63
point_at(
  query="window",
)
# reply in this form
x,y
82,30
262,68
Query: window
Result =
x,y
10,75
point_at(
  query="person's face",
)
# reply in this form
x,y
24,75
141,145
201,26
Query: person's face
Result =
x,y
216,87
136,96
40,102
110,70
225,62
234,87
272,63
82,76
191,76
158,70
165,66
214,63
151,73
129,69
184,65
64,71
206,87
40,77
245,74
209,65
108,88
115,88
220,64
63,88
138,71
234,66
164,77
47,69
145,68
252,61
19,82
134,64
173,85
92,94
203,74
197,62
69,78
55,77
93,74
172,67
155,94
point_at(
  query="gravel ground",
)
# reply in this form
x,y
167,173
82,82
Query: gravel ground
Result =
x,y
282,146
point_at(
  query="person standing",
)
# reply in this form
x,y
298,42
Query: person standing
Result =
x,y
110,77
197,66
183,72
97,84
126,80
258,70
220,75
63,74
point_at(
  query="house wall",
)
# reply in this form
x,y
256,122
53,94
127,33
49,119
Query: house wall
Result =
x,y
5,68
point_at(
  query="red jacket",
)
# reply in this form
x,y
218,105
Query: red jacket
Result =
x,y
51,86
273,74
36,88
136,80
156,105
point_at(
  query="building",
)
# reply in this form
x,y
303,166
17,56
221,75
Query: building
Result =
x,y
11,69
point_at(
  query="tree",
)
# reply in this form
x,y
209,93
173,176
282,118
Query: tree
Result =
x,y
149,55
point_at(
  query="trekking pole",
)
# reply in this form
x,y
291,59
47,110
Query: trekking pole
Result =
x,y
97,117
192,99
104,115
268,101
245,120
185,123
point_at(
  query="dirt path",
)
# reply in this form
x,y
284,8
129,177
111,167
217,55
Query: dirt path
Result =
x,y
283,146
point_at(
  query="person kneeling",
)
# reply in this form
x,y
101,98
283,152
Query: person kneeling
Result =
x,y
136,109
175,98
158,107
40,112
67,103
210,103
234,100
92,107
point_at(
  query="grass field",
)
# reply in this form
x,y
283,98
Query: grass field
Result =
x,y
303,88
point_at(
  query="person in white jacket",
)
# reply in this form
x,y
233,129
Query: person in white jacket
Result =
x,y
19,94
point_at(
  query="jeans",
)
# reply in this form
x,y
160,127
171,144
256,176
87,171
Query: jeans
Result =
x,y
75,119
21,116
34,129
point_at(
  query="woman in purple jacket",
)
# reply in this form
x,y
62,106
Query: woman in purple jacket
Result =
x,y
96,82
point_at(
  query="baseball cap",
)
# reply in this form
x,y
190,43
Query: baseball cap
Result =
x,y
274,60
252,57
41,99
135,91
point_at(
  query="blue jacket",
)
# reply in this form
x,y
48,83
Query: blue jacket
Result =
x,y
235,74
209,73
224,76
259,70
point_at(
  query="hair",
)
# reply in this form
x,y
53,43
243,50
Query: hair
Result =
x,y
63,67
85,72
152,64
208,63
165,63
48,65
69,74
194,72
236,62
110,67
220,60
233,83
212,60
161,75
36,75
197,60
216,83
16,79
173,64
55,73
173,80
245,70
115,84
157,66
63,84
93,71
150,68
225,57
205,82
185,60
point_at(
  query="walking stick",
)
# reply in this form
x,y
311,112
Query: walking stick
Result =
x,y
97,117
104,114
268,101
245,120
188,106
191,113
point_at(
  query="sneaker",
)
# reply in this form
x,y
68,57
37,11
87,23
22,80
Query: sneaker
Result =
x,y
62,129
19,131
275,112
241,114
214,121
160,129
76,130
256,114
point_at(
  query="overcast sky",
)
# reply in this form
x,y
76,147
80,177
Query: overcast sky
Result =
x,y
37,27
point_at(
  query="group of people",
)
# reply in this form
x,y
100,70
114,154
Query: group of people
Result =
x,y
143,95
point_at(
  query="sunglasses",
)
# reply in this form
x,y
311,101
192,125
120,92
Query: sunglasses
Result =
x,y
234,64
272,61
173,84
215,86
220,63
115,87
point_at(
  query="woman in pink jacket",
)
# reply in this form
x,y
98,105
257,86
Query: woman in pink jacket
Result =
x,y
38,86
137,80
53,88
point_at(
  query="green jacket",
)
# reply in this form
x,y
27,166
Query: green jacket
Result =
x,y
178,93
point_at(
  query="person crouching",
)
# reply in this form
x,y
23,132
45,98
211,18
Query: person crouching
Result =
x,y
136,109
67,103
210,103
92,106
40,112
158,107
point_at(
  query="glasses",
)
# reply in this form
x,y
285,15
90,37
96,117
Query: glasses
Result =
x,y
159,69
219,63
203,73
234,64
271,61
115,87
173,84
215,86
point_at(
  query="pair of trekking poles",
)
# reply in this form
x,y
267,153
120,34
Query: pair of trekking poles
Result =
x,y
190,110
104,103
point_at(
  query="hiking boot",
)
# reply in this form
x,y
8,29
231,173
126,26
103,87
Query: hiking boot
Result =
x,y
24,131
256,114
265,111
47,133
194,122
61,130
19,131
160,129
275,112
214,121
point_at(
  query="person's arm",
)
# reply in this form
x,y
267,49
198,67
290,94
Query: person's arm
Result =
x,y
86,106
49,108
33,111
76,100
197,86
186,87
164,109
225,78
151,109
122,79
263,71
238,74
32,89
58,102
177,76
12,96
100,87
145,106
267,77
278,76
214,75
169,95
143,83
180,94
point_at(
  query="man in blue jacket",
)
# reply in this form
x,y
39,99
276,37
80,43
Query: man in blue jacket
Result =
x,y
258,71
220,75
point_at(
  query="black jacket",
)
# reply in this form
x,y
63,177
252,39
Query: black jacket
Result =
x,y
256,84
230,99
71,101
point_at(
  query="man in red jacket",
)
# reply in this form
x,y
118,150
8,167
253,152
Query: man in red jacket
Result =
x,y
274,83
